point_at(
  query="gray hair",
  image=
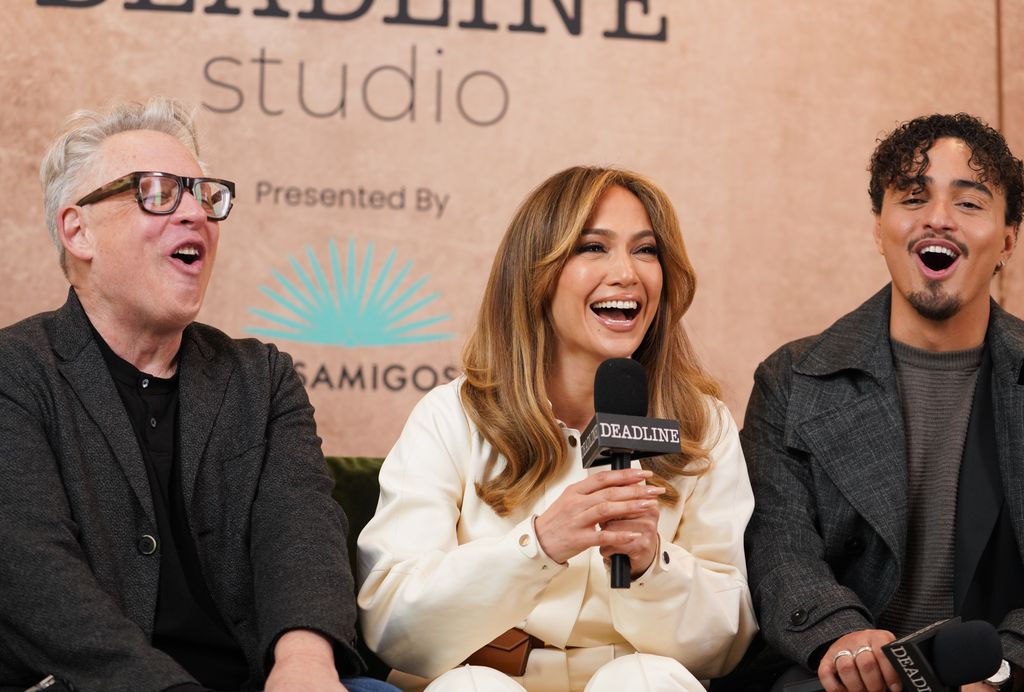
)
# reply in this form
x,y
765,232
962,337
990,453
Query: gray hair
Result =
x,y
84,133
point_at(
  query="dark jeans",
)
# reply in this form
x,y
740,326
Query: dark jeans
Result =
x,y
367,685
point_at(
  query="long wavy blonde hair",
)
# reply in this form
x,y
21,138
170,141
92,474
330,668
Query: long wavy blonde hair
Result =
x,y
508,354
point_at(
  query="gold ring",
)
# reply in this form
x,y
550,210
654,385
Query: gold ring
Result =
x,y
840,654
862,650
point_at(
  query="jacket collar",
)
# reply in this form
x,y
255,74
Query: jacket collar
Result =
x,y
860,341
857,341
72,332
71,328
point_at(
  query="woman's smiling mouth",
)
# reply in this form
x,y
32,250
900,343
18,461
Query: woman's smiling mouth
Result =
x,y
616,311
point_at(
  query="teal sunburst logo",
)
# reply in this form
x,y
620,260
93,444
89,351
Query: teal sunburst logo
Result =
x,y
356,307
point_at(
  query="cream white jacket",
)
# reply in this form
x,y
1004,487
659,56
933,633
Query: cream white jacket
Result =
x,y
442,574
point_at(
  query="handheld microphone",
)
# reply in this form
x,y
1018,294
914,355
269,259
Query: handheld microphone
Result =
x,y
621,431
945,655
938,658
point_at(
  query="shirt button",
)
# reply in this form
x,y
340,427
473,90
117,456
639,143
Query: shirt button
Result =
x,y
798,617
145,383
524,540
572,440
664,556
152,422
147,545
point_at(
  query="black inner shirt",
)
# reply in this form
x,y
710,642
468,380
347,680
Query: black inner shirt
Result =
x,y
187,626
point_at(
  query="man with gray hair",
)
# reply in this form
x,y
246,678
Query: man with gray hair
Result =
x,y
165,511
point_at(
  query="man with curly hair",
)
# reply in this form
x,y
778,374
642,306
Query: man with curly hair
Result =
x,y
885,452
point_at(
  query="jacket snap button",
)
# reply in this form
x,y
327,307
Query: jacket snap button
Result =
x,y
572,440
147,545
798,617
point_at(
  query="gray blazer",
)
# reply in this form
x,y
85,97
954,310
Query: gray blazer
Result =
x,y
825,446
77,593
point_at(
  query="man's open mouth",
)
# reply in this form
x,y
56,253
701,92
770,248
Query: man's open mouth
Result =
x,y
938,257
187,254
617,310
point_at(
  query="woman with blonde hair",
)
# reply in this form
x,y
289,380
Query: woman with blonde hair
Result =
x,y
491,541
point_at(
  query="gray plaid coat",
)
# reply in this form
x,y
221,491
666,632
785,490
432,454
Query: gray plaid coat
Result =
x,y
825,446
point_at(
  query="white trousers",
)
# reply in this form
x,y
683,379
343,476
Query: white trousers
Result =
x,y
632,673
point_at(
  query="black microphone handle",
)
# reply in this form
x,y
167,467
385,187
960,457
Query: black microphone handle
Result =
x,y
620,563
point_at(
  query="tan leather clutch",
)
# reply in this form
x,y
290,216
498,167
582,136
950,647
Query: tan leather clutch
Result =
x,y
507,653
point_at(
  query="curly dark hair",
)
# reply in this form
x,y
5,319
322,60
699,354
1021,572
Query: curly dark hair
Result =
x,y
901,158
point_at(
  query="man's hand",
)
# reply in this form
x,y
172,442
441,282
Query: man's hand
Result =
x,y
855,663
303,662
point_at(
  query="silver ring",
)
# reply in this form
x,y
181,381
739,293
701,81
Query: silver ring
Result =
x,y
840,654
862,650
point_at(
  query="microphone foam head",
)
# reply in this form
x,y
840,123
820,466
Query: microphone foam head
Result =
x,y
620,387
966,652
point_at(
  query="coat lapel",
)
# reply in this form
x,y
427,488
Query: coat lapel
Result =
x,y
860,445
979,496
856,432
203,381
82,365
1006,340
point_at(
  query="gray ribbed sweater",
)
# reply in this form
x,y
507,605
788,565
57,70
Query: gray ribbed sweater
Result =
x,y
936,391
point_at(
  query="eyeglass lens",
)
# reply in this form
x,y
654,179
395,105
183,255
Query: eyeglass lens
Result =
x,y
160,195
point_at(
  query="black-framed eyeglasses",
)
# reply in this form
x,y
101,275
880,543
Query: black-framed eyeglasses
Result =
x,y
160,193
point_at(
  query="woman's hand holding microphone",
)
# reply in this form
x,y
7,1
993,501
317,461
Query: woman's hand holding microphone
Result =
x,y
616,502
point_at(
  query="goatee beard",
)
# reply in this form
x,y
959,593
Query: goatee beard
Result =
x,y
933,303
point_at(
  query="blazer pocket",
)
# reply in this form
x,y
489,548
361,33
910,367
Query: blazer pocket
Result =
x,y
226,488
232,447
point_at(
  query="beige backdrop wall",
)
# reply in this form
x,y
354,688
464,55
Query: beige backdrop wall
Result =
x,y
347,124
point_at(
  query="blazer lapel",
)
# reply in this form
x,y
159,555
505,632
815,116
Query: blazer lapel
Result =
x,y
83,367
203,384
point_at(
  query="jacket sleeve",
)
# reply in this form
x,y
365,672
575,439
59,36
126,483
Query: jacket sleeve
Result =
x,y
693,604
427,601
55,616
799,603
1011,633
301,571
